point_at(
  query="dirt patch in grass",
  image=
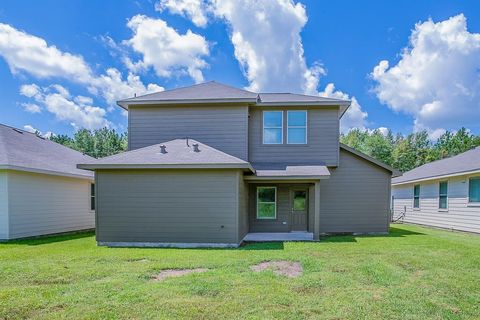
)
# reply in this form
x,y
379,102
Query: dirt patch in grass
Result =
x,y
170,273
282,268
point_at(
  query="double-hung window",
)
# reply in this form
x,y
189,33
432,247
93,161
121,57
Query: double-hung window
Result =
x,y
297,127
266,203
443,195
273,127
474,190
416,196
92,196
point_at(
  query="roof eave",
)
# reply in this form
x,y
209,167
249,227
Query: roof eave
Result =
x,y
126,103
303,103
437,177
96,166
287,178
44,171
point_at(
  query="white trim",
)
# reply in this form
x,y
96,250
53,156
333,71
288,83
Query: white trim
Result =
x,y
258,202
439,195
298,127
263,127
43,171
186,245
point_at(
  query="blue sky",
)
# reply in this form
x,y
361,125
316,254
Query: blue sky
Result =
x,y
54,57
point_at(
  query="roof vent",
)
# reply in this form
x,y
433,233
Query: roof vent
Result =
x,y
163,149
195,147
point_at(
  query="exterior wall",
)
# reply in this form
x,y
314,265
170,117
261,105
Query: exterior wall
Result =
x,y
243,208
168,206
356,198
224,127
42,204
459,215
284,208
3,205
322,139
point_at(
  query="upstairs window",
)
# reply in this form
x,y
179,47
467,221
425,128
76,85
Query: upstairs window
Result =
x,y
273,127
443,195
296,127
474,189
92,196
416,196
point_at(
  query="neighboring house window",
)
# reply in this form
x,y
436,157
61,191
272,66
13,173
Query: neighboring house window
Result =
x,y
297,127
443,195
273,127
474,189
92,196
266,203
416,196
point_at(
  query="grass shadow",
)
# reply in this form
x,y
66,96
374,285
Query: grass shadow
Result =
x,y
393,233
35,241
262,246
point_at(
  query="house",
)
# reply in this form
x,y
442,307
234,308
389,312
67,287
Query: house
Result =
x,y
41,190
212,165
443,193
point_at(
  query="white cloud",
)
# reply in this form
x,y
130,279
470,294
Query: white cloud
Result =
x,y
437,79
31,107
31,54
166,50
354,117
267,42
78,111
195,10
31,129
29,90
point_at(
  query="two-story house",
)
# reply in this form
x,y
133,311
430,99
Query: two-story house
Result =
x,y
213,165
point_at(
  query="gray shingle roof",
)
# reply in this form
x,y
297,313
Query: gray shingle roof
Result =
x,y
22,150
462,163
296,172
178,155
292,97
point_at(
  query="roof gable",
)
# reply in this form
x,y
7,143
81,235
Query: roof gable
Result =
x,y
25,151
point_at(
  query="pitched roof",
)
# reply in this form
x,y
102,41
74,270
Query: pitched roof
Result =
x,y
179,153
214,92
465,162
295,172
25,151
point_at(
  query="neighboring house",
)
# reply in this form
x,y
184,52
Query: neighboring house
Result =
x,y
41,189
443,193
212,165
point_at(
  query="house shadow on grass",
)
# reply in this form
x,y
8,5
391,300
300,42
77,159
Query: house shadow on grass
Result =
x,y
393,233
35,241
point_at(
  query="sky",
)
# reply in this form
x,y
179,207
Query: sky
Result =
x,y
405,65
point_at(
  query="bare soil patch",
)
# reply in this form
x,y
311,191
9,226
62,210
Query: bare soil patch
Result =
x,y
169,273
282,268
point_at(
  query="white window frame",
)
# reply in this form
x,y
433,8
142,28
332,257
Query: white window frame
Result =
x,y
419,196
92,196
472,203
439,195
258,202
298,127
263,127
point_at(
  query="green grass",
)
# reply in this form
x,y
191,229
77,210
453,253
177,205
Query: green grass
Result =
x,y
413,273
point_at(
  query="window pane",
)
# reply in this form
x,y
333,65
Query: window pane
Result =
x,y
416,203
92,189
474,190
297,118
272,119
266,194
443,188
442,202
297,135
266,210
272,136
416,190
299,200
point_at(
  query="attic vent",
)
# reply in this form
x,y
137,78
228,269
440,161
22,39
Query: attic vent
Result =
x,y
195,147
163,149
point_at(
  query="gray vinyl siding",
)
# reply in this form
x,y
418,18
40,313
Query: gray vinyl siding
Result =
x,y
41,204
243,208
224,128
3,205
168,206
356,198
322,139
460,215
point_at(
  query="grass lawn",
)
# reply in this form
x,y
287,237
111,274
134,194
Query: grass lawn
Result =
x,y
413,273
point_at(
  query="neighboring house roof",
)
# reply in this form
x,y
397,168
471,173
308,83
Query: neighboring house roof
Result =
x,y
464,163
214,92
25,151
292,173
394,172
178,153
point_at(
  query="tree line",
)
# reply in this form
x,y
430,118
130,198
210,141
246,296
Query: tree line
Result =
x,y
401,152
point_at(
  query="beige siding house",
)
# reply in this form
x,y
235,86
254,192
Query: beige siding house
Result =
x,y
443,194
41,190
212,166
